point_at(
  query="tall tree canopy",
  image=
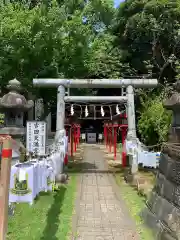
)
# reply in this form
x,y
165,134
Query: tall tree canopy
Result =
x,y
92,39
41,42
51,39
149,31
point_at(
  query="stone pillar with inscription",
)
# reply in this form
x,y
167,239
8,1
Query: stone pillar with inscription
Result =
x,y
60,108
39,109
31,111
60,130
48,120
60,119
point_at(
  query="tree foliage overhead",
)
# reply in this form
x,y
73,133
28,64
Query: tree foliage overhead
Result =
x,y
41,42
50,39
91,39
149,30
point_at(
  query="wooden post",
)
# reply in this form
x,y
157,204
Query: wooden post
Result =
x,y
4,184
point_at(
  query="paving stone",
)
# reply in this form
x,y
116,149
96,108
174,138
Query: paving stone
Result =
x,y
104,238
100,214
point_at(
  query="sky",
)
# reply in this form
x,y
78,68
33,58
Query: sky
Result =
x,y
117,2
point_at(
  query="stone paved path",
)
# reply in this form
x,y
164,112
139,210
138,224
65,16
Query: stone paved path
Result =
x,y
100,215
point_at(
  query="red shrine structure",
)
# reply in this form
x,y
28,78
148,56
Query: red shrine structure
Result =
x,y
117,126
113,130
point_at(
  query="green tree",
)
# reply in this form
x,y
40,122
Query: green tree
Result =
x,y
155,120
41,42
149,31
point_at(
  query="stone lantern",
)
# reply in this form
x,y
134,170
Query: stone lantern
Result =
x,y
13,105
173,104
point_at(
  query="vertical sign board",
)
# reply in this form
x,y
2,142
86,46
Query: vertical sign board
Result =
x,y
91,137
83,136
36,137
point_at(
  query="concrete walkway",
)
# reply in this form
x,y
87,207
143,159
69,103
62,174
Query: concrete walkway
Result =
x,y
100,214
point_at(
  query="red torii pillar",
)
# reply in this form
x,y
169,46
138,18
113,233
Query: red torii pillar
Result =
x,y
72,139
115,127
104,131
75,136
106,134
68,131
123,134
78,133
110,136
67,134
124,128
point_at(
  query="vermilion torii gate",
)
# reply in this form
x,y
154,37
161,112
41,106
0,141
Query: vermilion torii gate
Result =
x,y
129,84
110,134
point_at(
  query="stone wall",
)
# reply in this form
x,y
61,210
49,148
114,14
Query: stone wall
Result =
x,y
162,212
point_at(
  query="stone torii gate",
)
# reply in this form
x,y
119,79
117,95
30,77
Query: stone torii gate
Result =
x,y
129,84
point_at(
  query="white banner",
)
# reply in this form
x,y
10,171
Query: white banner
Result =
x,y
66,138
100,136
130,147
36,137
83,136
62,145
